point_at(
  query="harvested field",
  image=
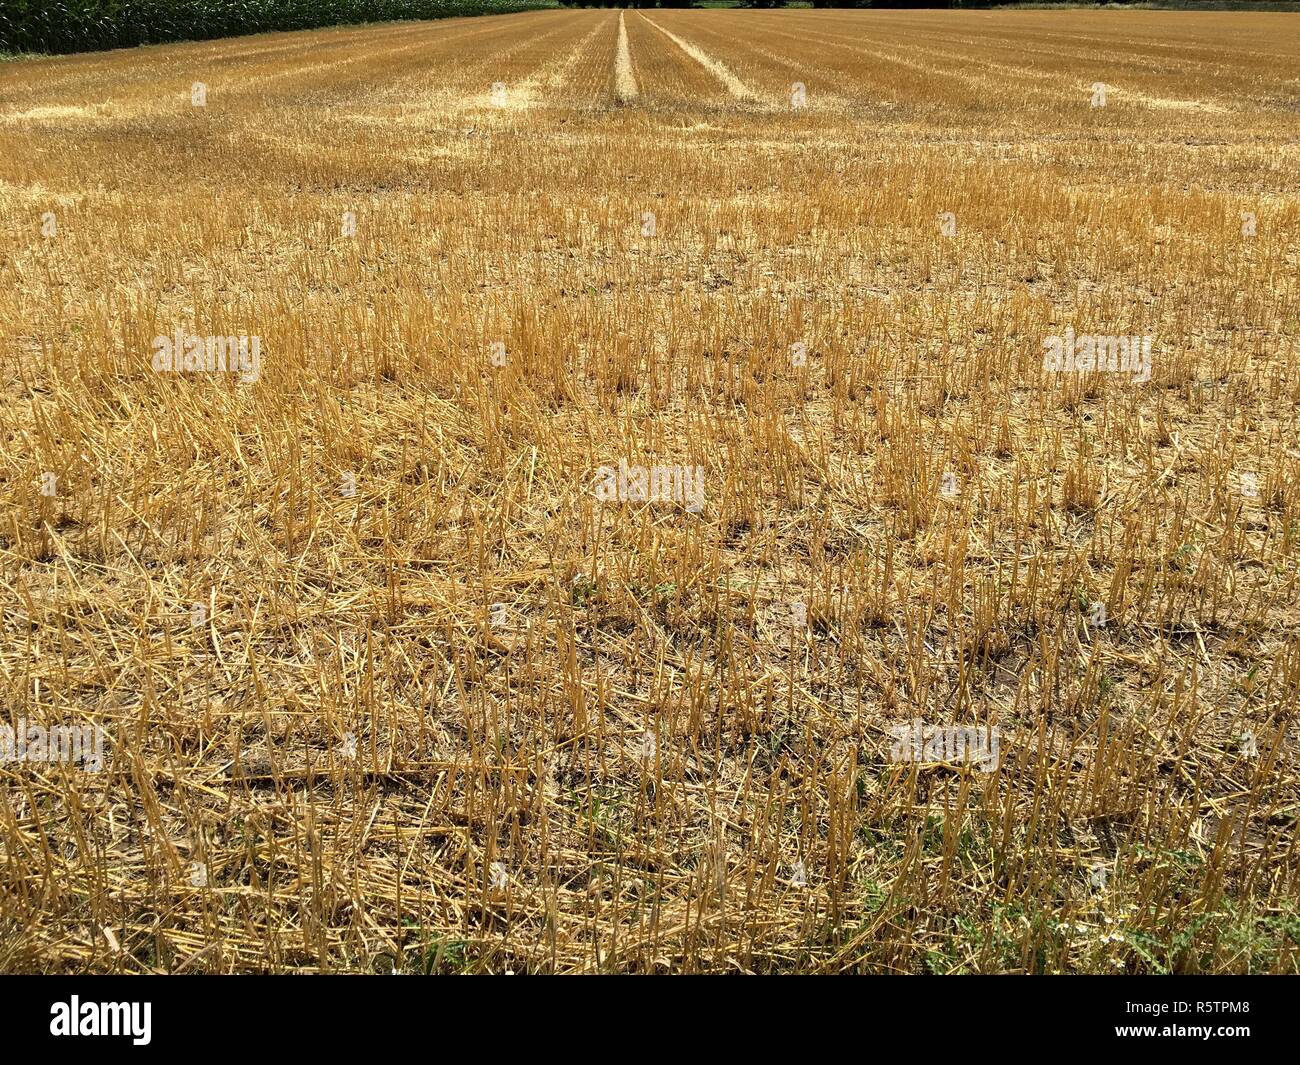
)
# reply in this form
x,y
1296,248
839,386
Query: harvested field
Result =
x,y
504,489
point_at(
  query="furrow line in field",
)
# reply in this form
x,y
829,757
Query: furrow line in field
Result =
x,y
929,55
721,71
555,75
625,87
538,87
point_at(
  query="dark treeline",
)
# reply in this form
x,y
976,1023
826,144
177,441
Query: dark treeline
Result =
x,y
86,25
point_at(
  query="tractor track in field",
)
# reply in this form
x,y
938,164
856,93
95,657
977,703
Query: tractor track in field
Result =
x,y
718,69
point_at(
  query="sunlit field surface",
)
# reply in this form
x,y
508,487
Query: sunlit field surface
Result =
x,y
390,670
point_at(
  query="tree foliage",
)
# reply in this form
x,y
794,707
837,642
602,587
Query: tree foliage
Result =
x,y
87,25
